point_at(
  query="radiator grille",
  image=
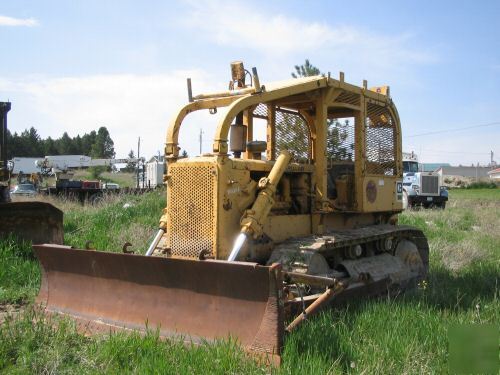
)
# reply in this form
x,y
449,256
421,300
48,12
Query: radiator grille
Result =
x,y
192,209
430,184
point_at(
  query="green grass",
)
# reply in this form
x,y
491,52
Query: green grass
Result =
x,y
476,194
119,219
124,179
19,272
401,334
30,344
483,185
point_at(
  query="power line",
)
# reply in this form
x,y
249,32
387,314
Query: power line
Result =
x,y
453,152
453,130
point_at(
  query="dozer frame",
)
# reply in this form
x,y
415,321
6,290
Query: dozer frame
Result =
x,y
247,243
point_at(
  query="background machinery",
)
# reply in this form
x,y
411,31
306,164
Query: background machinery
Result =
x,y
62,168
52,164
257,235
38,222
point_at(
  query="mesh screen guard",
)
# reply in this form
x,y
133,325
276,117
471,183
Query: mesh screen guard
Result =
x,y
380,136
340,142
292,132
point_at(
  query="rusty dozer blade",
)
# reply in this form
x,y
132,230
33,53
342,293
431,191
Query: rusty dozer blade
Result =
x,y
186,299
38,222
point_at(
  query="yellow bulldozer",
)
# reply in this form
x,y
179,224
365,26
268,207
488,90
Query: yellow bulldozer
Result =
x,y
258,234
38,222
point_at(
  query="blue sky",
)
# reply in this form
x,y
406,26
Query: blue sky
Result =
x,y
74,66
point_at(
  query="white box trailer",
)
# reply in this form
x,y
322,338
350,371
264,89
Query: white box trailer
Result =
x,y
154,173
25,165
65,162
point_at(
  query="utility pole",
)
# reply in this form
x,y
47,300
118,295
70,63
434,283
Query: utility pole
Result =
x,y
138,159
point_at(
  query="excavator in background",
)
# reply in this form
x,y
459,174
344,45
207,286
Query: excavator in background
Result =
x,y
258,234
38,222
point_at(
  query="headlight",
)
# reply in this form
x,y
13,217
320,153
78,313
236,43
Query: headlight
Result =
x,y
415,187
443,188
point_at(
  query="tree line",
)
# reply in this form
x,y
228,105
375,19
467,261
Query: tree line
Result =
x,y
29,144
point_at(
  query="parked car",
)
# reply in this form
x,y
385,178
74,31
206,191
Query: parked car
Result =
x,y
24,190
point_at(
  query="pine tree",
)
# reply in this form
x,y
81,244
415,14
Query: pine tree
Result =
x,y
306,70
30,144
49,147
65,144
88,141
131,165
338,146
103,146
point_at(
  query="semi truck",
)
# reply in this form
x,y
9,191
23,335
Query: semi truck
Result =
x,y
421,189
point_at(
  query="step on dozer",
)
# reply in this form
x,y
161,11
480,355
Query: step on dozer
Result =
x,y
249,246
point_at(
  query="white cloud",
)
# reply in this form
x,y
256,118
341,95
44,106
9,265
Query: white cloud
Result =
x,y
128,105
272,41
11,21
239,26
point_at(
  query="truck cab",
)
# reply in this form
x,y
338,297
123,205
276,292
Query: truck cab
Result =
x,y
420,188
